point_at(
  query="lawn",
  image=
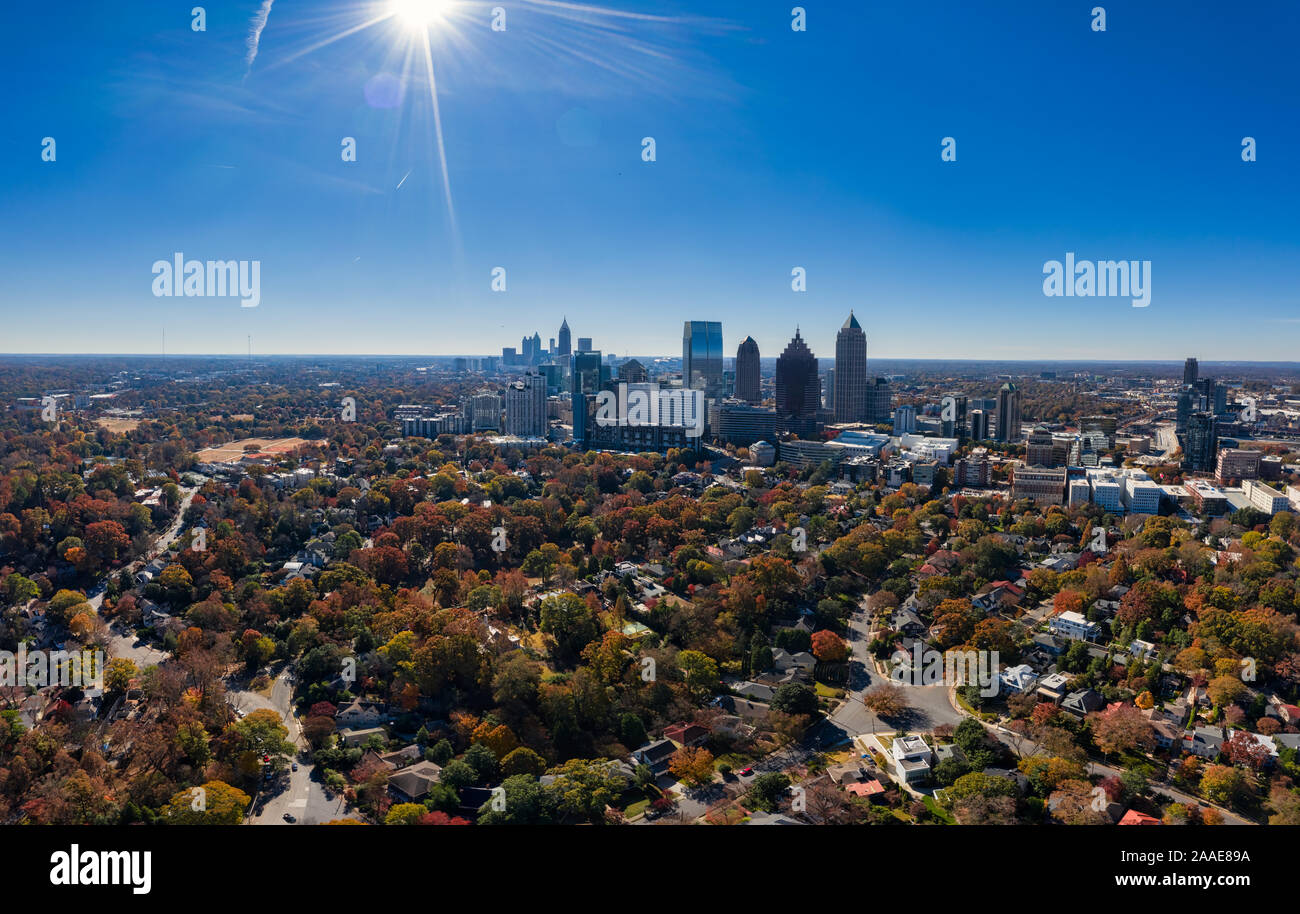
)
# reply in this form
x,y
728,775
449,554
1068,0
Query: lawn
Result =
x,y
939,812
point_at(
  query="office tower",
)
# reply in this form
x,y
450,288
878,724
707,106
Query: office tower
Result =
x,y
633,372
1106,425
1009,413
1200,445
484,410
1185,405
1044,485
904,420
880,398
1190,372
798,390
742,423
584,344
1220,405
828,391
536,344
979,425
702,356
550,348
526,407
586,370
508,355
748,383
953,416
1038,450
1237,463
851,373
526,350
565,340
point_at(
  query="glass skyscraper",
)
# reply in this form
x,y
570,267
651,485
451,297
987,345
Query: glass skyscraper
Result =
x,y
702,356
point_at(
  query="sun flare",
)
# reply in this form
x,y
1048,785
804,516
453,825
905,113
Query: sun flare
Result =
x,y
419,14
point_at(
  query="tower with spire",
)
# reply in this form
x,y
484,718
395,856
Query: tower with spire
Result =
x,y
851,372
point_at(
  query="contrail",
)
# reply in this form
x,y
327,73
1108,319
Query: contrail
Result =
x,y
403,181
255,33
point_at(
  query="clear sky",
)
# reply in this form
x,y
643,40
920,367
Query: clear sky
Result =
x,y
775,149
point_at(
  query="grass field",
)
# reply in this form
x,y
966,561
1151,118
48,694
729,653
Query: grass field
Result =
x,y
118,426
236,449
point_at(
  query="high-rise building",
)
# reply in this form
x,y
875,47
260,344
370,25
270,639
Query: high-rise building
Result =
x,y
748,376
905,420
850,386
880,398
588,373
1186,402
1237,463
633,372
1201,443
979,425
537,347
742,423
565,340
1043,484
798,390
1009,414
953,416
1038,450
526,407
702,356
1190,372
484,411
584,344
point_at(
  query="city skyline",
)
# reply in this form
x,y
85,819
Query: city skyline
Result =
x,y
762,168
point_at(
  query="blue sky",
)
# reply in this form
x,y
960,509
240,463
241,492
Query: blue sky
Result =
x,y
775,149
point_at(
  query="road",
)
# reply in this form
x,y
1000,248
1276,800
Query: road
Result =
x,y
123,642
929,705
1166,439
302,797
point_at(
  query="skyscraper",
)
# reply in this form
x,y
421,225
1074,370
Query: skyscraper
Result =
x,y
880,398
748,385
1008,413
798,390
526,406
953,416
979,425
1190,372
633,372
702,356
1201,443
565,340
588,375
851,372
537,347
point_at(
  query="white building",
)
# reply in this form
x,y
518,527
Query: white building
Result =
x,y
1078,492
912,757
1265,498
526,407
1107,491
1018,678
1141,494
904,420
1074,625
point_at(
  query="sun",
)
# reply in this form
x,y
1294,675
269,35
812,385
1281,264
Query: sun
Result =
x,y
419,14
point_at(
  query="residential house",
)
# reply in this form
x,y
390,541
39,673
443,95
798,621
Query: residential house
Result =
x,y
687,734
655,755
1053,687
912,758
1016,679
1083,702
1073,625
1205,742
351,738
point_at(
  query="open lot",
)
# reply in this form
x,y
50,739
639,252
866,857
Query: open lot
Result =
x,y
118,426
236,449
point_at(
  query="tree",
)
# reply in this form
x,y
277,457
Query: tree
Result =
x,y
405,814
829,647
886,700
1122,728
701,672
119,674
584,788
214,803
794,698
767,789
523,761
692,765
1224,784
568,619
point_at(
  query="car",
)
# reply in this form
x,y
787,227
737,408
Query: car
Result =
x,y
747,772
289,817
294,766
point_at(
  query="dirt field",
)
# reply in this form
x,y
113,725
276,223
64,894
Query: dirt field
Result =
x,y
119,426
235,449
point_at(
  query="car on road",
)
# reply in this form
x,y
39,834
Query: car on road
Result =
x,y
294,766
747,772
289,817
